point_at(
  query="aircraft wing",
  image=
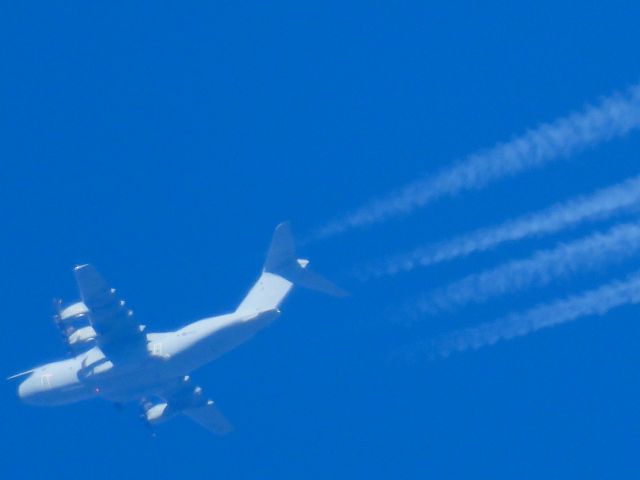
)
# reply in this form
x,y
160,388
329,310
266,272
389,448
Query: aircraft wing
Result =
x,y
115,327
182,397
210,417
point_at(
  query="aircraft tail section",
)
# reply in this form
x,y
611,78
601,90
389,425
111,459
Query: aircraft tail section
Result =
x,y
282,270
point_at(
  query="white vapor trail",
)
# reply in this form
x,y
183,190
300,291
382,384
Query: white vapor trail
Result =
x,y
603,204
612,117
587,253
593,302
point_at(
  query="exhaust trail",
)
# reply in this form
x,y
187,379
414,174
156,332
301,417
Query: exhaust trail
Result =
x,y
593,302
612,117
585,254
601,205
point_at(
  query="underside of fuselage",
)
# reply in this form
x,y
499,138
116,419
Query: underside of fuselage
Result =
x,y
170,356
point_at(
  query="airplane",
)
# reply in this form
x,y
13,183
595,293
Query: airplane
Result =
x,y
113,358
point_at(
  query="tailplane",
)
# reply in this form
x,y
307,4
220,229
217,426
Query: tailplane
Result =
x,y
282,270
281,260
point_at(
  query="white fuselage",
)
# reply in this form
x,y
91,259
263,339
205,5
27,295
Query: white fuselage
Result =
x,y
168,357
122,363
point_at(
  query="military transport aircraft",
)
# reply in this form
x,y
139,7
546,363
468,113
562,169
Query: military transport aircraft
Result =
x,y
113,358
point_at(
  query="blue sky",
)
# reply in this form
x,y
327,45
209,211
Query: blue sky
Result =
x,y
163,143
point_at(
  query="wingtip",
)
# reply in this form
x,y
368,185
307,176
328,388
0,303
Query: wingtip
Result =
x,y
284,229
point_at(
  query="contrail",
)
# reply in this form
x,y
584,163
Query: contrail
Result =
x,y
593,302
587,253
612,117
601,205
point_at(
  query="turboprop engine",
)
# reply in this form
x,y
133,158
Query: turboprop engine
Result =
x,y
186,397
157,413
74,326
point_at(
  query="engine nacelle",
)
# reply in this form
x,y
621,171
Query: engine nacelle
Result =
x,y
155,413
81,336
74,310
158,411
72,313
74,325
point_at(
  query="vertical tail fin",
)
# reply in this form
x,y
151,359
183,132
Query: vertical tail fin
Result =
x,y
282,270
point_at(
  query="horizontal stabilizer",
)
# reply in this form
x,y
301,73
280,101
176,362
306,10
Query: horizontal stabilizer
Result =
x,y
313,281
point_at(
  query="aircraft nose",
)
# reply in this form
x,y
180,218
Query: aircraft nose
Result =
x,y
26,390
